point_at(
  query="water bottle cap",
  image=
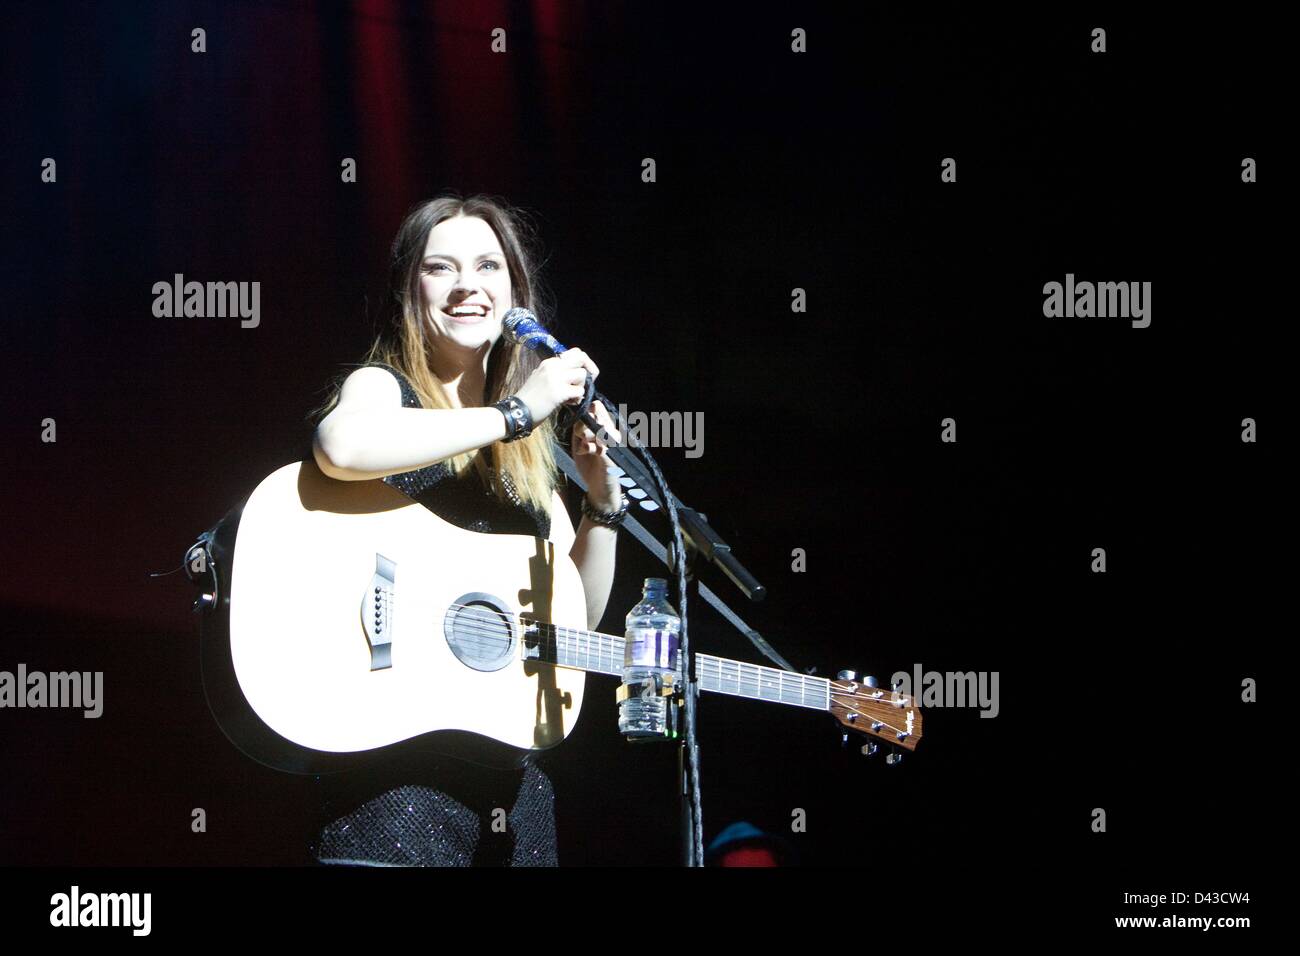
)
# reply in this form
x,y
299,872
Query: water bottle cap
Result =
x,y
656,584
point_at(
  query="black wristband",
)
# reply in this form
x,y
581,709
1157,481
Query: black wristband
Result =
x,y
610,519
519,420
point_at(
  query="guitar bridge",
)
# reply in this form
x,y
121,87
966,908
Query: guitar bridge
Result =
x,y
377,612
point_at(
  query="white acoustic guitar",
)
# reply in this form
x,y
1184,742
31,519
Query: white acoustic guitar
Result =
x,y
343,622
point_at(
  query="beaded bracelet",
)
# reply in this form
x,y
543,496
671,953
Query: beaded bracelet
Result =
x,y
609,519
519,420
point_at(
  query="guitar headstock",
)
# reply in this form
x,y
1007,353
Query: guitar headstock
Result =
x,y
885,714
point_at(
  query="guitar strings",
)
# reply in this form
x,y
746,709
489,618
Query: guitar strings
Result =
x,y
483,633
606,642
489,632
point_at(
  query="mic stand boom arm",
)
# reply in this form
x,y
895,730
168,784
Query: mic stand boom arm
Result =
x,y
694,524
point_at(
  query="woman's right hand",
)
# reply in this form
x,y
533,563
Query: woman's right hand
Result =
x,y
559,380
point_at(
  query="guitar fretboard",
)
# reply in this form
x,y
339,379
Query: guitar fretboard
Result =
x,y
603,654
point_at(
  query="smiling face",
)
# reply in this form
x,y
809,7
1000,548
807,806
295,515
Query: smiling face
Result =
x,y
465,283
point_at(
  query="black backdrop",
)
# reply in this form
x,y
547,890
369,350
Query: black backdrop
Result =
x,y
775,170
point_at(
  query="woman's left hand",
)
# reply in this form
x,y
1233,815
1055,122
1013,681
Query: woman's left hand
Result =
x,y
603,490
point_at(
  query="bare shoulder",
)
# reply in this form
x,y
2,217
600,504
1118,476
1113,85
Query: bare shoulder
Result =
x,y
365,388
370,387
365,391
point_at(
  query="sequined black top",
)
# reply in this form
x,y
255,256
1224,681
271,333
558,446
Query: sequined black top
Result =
x,y
433,810
464,500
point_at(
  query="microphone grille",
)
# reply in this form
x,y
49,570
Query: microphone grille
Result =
x,y
512,319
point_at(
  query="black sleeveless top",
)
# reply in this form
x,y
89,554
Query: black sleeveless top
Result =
x,y
464,500
432,810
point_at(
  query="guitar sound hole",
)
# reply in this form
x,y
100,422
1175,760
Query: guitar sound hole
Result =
x,y
478,630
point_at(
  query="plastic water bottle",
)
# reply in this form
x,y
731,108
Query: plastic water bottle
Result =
x,y
649,656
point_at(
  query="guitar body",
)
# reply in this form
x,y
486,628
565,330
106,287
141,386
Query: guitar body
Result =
x,y
352,623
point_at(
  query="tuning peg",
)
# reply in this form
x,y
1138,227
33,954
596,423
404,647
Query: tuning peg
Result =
x,y
847,675
844,739
869,681
894,759
869,748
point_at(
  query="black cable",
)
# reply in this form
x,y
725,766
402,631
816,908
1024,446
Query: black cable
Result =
x,y
678,564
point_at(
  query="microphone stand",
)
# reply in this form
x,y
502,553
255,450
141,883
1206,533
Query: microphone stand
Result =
x,y
691,536
520,325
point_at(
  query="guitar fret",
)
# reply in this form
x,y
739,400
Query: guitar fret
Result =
x,y
763,683
603,653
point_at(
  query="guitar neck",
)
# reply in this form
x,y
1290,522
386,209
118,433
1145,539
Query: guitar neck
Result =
x,y
600,653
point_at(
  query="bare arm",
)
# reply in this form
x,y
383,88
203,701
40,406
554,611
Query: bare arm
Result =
x,y
592,550
593,553
370,435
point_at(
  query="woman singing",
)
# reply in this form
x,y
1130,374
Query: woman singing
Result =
x,y
449,411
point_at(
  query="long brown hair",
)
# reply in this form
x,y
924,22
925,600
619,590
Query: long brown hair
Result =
x,y
403,345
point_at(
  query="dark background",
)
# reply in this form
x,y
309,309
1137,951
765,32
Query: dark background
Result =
x,y
775,171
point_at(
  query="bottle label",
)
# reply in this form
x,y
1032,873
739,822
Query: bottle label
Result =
x,y
650,647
